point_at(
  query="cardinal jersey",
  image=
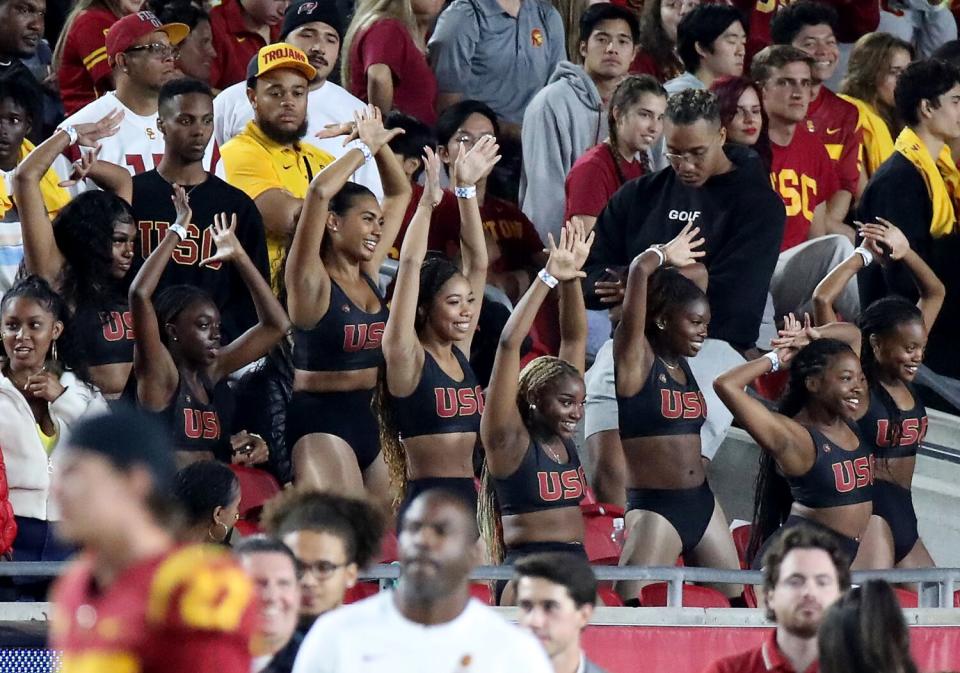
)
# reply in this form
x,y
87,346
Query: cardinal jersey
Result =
x,y
191,610
837,123
804,177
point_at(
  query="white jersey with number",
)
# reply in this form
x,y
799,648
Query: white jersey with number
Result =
x,y
372,636
328,104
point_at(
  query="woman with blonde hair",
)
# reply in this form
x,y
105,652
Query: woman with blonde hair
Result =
x,y
80,56
385,60
875,65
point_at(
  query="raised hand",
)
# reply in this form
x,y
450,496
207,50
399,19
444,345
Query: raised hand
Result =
x,y
582,241
794,334
82,166
562,263
432,193
370,128
181,203
476,163
90,135
225,238
682,250
886,233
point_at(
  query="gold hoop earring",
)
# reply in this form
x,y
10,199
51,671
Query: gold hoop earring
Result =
x,y
214,538
53,350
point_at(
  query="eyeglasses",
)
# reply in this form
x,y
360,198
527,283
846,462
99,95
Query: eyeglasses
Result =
x,y
469,141
695,157
156,50
320,569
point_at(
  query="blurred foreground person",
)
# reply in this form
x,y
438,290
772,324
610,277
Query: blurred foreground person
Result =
x,y
134,600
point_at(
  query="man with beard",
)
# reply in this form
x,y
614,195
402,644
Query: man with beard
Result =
x,y
428,624
186,122
141,52
803,574
267,160
317,29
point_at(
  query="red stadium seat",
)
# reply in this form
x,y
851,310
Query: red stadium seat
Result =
x,y
906,598
956,599
256,488
481,591
694,596
771,385
388,548
741,539
359,591
598,533
609,597
750,596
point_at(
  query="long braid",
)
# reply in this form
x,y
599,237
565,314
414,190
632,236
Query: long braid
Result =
x,y
879,320
488,518
394,455
538,373
772,499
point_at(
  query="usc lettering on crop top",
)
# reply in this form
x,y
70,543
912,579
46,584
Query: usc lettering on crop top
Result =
x,y
106,334
199,426
347,338
541,483
876,424
663,406
838,477
440,405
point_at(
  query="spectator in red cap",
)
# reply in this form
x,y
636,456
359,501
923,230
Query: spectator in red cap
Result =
x,y
240,29
80,57
141,51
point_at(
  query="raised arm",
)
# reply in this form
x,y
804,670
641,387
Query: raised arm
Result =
x,y
573,313
631,349
156,373
272,323
786,440
41,255
501,426
469,168
401,345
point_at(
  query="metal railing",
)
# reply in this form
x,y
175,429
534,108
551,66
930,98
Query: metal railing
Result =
x,y
935,586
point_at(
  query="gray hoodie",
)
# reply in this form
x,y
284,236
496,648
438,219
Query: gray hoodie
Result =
x,y
564,120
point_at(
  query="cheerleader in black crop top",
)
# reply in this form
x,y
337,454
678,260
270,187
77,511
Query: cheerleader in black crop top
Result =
x,y
428,401
893,336
180,366
812,447
532,480
661,411
85,253
339,314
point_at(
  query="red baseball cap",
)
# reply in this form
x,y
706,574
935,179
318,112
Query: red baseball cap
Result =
x,y
124,33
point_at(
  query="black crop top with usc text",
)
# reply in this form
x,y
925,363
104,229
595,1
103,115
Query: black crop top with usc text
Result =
x,y
440,405
347,338
875,428
541,483
106,333
663,406
838,477
196,426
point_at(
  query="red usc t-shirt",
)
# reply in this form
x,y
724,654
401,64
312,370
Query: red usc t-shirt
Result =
x,y
84,67
192,610
593,179
804,177
836,122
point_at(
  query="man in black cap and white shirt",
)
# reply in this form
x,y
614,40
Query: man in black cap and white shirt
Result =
x,y
315,27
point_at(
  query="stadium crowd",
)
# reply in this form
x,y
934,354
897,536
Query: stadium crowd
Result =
x,y
288,277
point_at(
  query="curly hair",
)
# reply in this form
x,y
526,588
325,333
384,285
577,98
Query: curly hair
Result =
x,y
70,353
772,499
174,300
83,230
691,105
357,523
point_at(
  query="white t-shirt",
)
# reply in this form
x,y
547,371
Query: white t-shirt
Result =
x,y
372,637
330,104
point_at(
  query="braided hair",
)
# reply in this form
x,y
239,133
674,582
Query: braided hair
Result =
x,y
880,320
772,499
537,375
174,300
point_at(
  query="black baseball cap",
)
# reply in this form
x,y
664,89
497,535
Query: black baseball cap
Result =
x,y
308,11
128,437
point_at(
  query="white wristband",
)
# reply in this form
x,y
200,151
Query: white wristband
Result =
x,y
774,360
179,230
547,279
364,149
72,134
468,192
866,254
656,249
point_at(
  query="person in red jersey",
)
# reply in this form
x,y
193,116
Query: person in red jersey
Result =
x,y
803,575
803,175
133,600
811,26
240,28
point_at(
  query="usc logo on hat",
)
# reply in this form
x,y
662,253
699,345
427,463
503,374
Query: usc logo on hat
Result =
x,y
307,8
536,37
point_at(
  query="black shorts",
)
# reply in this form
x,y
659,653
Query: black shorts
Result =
x,y
688,510
525,549
894,504
346,415
847,544
465,487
